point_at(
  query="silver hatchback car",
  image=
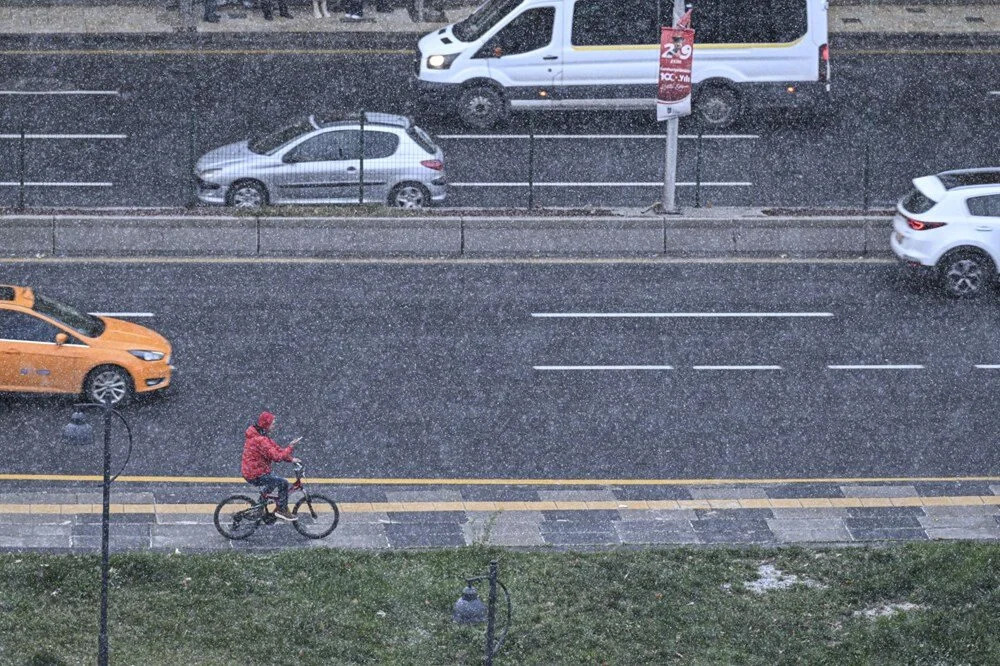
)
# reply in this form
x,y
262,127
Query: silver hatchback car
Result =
x,y
318,160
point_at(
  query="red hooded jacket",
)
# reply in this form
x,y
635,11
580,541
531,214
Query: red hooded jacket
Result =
x,y
259,451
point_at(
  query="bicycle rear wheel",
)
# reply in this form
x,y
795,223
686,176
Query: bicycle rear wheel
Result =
x,y
236,517
318,516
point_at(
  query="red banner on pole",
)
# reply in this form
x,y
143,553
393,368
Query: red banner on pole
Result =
x,y
673,95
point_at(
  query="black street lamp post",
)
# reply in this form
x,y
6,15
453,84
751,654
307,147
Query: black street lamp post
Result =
x,y
470,610
78,432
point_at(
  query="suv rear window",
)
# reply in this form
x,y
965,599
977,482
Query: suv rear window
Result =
x,y
917,202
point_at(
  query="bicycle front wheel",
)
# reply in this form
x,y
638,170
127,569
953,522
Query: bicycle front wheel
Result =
x,y
236,517
318,516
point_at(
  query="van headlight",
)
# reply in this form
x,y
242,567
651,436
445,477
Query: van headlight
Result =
x,y
438,61
146,355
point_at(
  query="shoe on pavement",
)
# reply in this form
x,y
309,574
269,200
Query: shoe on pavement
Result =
x,y
285,514
353,17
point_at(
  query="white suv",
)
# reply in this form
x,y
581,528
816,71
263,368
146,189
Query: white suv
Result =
x,y
951,222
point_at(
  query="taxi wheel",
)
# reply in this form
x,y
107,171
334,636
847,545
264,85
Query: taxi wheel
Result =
x,y
109,384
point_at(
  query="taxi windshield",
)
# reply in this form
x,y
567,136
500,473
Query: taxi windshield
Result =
x,y
86,325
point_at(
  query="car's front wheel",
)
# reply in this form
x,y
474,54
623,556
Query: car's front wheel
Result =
x,y
409,195
246,194
965,273
108,384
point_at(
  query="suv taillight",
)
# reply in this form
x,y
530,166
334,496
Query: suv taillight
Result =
x,y
917,225
824,63
437,165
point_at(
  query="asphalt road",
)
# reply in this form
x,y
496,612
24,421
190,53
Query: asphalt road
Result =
x,y
912,113
433,370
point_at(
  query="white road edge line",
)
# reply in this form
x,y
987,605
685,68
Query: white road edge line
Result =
x,y
988,367
603,367
659,137
614,184
65,136
122,314
736,367
59,92
14,183
674,315
993,92
875,367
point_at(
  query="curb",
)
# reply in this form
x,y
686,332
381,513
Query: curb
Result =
x,y
466,236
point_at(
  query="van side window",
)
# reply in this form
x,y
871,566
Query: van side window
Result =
x,y
619,22
748,21
988,206
529,31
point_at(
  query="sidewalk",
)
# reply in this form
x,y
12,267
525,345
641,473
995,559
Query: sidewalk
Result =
x,y
171,516
55,18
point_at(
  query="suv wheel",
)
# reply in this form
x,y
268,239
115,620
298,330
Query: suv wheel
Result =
x,y
965,273
482,107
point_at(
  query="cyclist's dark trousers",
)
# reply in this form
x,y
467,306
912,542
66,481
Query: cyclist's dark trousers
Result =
x,y
268,482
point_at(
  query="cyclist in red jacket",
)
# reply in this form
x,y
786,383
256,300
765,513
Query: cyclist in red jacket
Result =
x,y
259,451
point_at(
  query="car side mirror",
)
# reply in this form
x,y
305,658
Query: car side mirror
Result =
x,y
497,52
61,339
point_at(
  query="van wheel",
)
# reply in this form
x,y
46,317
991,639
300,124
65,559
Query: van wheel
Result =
x,y
108,384
482,107
965,273
718,107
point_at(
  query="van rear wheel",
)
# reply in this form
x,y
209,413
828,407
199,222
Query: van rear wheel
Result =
x,y
482,107
718,107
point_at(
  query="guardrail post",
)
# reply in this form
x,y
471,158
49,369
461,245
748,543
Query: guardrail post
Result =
x,y
531,163
190,198
20,170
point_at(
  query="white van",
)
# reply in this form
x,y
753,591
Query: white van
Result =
x,y
522,55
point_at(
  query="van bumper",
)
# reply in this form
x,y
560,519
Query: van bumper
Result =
x,y
435,95
791,95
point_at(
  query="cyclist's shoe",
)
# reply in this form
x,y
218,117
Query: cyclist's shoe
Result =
x,y
285,514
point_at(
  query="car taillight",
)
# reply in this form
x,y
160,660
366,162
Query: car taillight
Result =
x,y
437,165
917,225
824,63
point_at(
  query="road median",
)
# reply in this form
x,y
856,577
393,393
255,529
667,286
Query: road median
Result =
x,y
711,234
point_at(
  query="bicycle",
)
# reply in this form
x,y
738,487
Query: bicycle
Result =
x,y
238,516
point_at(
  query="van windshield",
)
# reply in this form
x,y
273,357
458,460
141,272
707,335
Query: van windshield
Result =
x,y
484,18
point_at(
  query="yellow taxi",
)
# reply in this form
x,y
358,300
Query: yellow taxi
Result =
x,y
49,347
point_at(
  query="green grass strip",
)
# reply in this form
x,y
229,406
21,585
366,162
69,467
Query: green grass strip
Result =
x,y
687,606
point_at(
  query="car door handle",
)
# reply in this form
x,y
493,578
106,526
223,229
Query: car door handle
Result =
x,y
551,58
984,228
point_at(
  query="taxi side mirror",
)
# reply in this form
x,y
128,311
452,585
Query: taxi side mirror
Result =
x,y
61,339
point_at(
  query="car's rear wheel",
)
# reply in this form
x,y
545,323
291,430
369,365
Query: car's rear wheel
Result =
x,y
108,384
409,195
246,194
966,273
482,107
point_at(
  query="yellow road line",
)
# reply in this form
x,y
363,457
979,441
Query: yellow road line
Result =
x,y
391,481
417,261
722,504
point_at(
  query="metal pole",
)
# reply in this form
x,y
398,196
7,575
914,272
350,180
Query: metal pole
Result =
x,y
866,173
491,612
531,163
697,170
102,649
361,171
20,170
670,152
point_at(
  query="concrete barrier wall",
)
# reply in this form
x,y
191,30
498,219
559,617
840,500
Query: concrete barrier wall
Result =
x,y
95,235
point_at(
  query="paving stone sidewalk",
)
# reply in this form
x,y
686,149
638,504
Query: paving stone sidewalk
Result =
x,y
161,517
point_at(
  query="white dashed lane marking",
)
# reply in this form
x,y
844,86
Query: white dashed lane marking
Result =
x,y
676,315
